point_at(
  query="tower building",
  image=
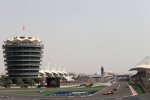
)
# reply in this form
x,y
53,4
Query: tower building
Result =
x,y
22,56
102,70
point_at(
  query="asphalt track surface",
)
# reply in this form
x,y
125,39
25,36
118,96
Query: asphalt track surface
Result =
x,y
122,93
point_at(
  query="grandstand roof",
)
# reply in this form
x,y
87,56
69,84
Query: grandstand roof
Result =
x,y
140,67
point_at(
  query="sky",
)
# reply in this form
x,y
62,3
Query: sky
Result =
x,y
82,35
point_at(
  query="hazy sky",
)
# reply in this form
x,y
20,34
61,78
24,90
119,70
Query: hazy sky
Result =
x,y
82,34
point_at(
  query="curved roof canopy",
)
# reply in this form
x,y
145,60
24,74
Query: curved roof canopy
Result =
x,y
143,64
139,67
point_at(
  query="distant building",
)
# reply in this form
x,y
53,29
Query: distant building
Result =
x,y
22,56
102,71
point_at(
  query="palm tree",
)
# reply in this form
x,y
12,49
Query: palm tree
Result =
x,y
19,82
3,77
6,81
30,82
38,81
2,80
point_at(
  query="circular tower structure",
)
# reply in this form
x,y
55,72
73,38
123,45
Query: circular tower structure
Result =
x,y
22,56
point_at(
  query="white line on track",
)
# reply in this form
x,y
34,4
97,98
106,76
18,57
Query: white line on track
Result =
x,y
118,87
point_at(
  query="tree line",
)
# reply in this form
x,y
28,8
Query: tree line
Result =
x,y
7,82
